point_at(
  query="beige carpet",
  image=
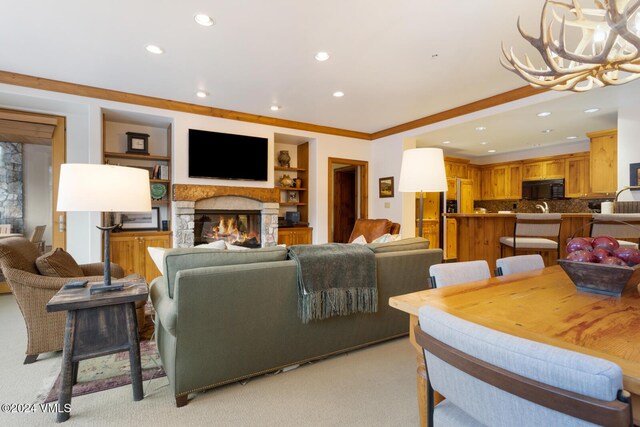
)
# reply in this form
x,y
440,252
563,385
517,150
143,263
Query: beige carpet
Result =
x,y
370,387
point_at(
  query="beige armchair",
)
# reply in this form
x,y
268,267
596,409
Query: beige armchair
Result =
x,y
33,291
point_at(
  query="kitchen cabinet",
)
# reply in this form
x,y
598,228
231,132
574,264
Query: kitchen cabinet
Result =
x,y
456,168
476,179
486,180
576,181
501,182
543,169
431,232
603,164
466,196
452,189
451,239
129,250
294,235
514,183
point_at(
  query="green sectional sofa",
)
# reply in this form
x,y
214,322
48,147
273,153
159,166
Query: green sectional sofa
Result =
x,y
223,316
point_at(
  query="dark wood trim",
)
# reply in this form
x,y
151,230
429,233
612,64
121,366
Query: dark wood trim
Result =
x,y
363,190
615,413
482,104
149,101
24,80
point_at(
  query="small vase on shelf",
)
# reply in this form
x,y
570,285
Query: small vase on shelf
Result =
x,y
284,159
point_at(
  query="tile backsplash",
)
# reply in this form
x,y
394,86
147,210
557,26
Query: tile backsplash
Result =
x,y
529,206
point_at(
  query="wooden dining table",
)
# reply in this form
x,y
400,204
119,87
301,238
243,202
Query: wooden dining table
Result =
x,y
544,306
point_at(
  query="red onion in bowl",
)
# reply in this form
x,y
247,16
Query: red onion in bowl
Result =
x,y
581,256
578,244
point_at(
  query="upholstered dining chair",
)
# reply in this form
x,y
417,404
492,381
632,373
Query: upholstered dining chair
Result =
x,y
518,264
5,228
36,237
371,229
32,290
535,232
454,273
495,379
620,226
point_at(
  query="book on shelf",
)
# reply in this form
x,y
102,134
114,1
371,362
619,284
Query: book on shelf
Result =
x,y
156,172
164,172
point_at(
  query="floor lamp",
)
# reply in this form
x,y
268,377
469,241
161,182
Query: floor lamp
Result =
x,y
422,171
103,188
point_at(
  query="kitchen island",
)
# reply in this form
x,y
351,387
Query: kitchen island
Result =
x,y
478,235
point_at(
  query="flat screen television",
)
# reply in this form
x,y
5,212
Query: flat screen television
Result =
x,y
226,156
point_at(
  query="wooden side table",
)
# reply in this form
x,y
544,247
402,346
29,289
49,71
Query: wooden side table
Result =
x,y
98,325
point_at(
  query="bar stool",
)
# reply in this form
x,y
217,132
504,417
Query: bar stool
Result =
x,y
532,232
455,273
611,225
518,264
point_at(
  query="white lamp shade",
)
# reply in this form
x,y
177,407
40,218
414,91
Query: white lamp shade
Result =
x,y
103,188
422,171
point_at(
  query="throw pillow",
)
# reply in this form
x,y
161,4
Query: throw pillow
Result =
x,y
231,247
157,256
58,263
360,240
386,238
217,244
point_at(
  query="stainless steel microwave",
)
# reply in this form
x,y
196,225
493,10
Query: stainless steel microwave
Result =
x,y
543,189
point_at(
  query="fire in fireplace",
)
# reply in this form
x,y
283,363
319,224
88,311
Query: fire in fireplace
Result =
x,y
236,228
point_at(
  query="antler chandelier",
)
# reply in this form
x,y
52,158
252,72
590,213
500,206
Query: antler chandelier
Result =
x,y
608,52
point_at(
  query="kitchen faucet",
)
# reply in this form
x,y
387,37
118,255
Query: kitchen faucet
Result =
x,y
545,208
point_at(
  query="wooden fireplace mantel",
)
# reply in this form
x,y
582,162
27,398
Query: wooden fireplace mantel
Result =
x,y
190,192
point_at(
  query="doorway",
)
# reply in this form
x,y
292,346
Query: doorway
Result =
x,y
33,148
348,196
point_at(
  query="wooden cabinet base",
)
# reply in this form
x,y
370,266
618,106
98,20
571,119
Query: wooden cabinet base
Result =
x,y
129,250
295,236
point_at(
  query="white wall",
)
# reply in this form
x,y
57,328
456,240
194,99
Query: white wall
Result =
x,y
36,172
628,147
84,134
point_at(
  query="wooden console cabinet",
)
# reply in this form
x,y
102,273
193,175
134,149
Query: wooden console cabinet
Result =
x,y
294,235
130,251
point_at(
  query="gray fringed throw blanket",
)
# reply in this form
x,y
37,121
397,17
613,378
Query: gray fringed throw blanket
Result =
x,y
335,280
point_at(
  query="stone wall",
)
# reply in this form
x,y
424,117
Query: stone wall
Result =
x,y
529,206
11,186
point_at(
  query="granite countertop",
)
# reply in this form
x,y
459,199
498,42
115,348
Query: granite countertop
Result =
x,y
502,215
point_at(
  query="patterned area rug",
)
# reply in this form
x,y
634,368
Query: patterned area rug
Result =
x,y
113,370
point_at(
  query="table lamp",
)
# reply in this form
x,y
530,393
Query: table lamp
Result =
x,y
422,171
103,188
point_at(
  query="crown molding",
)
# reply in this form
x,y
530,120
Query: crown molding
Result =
x,y
482,104
185,107
24,80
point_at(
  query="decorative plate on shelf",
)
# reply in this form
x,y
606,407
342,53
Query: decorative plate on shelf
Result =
x,y
158,191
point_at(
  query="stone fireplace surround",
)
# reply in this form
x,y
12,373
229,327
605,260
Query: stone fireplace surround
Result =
x,y
187,198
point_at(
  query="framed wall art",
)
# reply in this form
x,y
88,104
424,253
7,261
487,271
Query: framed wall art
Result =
x,y
386,187
141,220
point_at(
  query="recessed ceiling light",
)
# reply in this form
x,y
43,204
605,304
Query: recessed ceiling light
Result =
x,y
338,94
322,56
547,131
154,49
572,137
484,143
591,110
202,94
275,107
491,151
481,128
204,20
544,114
446,142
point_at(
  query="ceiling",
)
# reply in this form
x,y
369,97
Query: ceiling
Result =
x,y
395,61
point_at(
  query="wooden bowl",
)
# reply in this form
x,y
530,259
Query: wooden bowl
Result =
x,y
601,278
